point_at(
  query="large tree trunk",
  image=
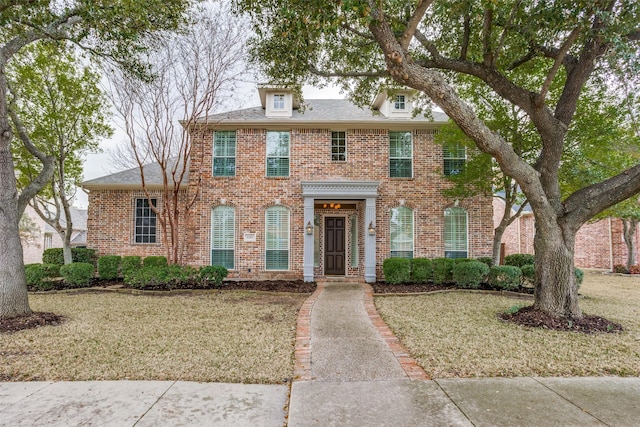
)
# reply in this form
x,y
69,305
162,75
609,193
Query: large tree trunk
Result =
x,y
630,226
13,283
497,243
556,292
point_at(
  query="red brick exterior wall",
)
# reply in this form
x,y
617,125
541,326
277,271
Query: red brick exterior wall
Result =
x,y
250,192
599,244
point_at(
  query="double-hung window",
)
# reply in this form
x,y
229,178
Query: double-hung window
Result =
x,y
338,146
455,156
455,233
399,103
400,155
278,101
278,153
277,238
145,221
401,230
223,236
224,153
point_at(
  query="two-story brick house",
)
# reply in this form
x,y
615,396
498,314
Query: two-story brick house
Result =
x,y
333,190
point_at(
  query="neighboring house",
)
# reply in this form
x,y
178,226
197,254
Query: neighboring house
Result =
x,y
37,235
599,244
333,190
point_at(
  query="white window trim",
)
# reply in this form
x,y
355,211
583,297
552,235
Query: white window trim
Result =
x,y
412,152
279,97
234,235
267,156
413,230
466,214
288,240
345,147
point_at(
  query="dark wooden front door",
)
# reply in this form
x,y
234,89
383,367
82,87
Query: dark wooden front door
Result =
x,y
334,250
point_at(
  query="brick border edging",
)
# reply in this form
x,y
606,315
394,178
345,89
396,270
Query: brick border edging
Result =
x,y
408,363
302,365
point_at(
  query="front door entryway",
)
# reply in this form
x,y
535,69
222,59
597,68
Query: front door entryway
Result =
x,y
334,246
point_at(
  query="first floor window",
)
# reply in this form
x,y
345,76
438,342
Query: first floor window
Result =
x,y
354,241
278,153
400,155
145,221
224,153
48,240
316,240
401,229
455,156
455,233
223,237
277,238
338,146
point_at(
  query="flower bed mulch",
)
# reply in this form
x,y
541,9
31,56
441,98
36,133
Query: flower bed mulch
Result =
x,y
33,320
588,324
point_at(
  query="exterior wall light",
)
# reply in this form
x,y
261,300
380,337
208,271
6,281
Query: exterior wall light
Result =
x,y
372,229
309,228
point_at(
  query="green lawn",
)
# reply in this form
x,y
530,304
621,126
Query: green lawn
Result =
x,y
227,337
459,335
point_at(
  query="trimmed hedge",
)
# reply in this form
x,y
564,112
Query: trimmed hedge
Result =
x,y
528,274
129,264
470,274
487,260
55,256
421,270
506,277
108,267
77,274
442,270
397,270
213,275
519,260
155,261
38,275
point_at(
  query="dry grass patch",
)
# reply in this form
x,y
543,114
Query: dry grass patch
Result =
x,y
226,337
459,334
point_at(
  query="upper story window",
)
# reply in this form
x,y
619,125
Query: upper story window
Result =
x,y
277,238
223,236
401,232
399,103
278,153
338,146
278,101
224,153
145,221
400,155
455,156
455,233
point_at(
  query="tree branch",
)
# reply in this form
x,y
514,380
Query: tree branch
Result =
x,y
562,52
487,25
413,23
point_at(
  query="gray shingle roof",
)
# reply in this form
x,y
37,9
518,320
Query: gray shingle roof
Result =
x,y
320,111
130,178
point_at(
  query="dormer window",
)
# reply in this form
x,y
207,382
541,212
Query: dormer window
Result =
x,y
278,101
399,103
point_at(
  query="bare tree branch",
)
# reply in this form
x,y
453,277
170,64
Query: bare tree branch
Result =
x,y
414,22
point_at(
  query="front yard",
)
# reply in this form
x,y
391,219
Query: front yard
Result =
x,y
232,336
458,335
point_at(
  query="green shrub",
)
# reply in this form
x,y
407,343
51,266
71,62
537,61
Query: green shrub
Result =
x,y
442,270
397,270
469,274
77,274
528,274
212,275
53,256
85,255
162,277
518,260
486,260
108,267
507,277
155,261
36,275
51,270
421,270
579,276
130,263
459,260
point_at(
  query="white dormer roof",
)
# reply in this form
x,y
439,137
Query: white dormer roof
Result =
x,y
398,105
